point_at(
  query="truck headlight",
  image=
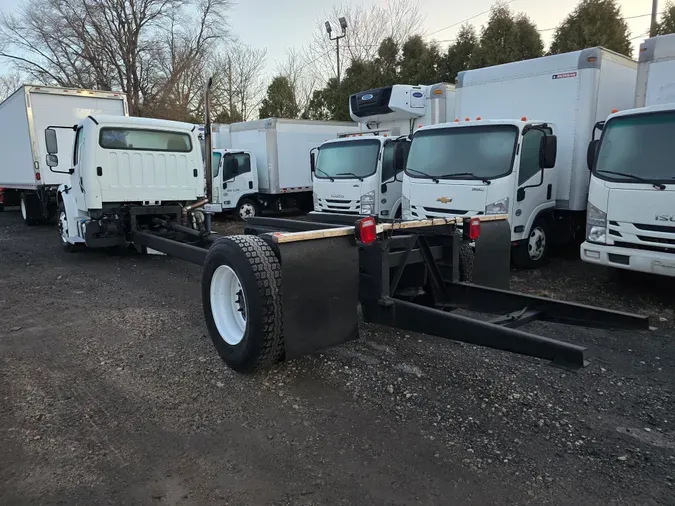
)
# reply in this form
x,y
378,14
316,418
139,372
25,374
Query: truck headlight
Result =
x,y
368,202
499,207
596,225
315,200
406,214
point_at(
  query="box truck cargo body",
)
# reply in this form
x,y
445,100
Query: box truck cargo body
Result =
x,y
265,164
559,96
631,200
25,178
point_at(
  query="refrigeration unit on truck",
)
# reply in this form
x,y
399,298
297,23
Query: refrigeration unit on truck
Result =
x,y
265,164
631,200
361,173
140,182
25,178
518,146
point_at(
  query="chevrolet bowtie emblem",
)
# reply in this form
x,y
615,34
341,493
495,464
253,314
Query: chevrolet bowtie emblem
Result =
x,y
443,200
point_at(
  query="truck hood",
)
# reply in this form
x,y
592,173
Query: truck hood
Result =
x,y
642,205
341,189
446,197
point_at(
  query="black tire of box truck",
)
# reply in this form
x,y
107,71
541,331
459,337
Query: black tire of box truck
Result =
x,y
241,298
247,208
532,252
31,208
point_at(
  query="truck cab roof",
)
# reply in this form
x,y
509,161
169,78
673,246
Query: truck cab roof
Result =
x,y
133,121
483,122
643,110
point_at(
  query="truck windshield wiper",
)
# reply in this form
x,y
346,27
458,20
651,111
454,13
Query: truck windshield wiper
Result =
x,y
658,186
349,174
332,179
468,174
433,178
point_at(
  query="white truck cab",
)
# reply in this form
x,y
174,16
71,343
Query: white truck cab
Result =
x,y
360,173
482,167
121,165
235,182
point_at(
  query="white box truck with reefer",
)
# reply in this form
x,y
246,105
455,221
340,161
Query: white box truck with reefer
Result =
x,y
518,146
265,164
25,178
359,173
631,199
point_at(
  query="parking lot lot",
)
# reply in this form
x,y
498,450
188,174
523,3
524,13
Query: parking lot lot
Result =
x,y
111,392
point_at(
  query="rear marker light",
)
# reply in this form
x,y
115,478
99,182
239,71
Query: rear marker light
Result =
x,y
474,228
366,230
37,176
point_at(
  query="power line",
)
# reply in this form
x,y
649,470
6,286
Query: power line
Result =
x,y
465,20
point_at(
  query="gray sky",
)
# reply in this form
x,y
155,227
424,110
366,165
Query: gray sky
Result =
x,y
281,24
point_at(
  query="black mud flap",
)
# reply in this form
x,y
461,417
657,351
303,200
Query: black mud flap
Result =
x,y
492,262
320,285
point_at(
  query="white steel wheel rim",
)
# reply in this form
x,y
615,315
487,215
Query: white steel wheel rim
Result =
x,y
228,305
23,208
246,211
536,243
63,226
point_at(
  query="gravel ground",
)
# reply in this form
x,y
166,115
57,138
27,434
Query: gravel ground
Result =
x,y
111,393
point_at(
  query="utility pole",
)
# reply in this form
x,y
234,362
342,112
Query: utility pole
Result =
x,y
229,86
652,27
329,30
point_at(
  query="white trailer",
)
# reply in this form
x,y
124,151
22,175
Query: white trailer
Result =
x,y
631,201
25,179
360,173
265,164
515,122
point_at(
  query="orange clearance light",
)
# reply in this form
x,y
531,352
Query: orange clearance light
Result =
x,y
467,119
456,120
438,92
524,118
478,118
474,229
366,230
419,126
614,110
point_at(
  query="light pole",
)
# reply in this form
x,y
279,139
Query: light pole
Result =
x,y
329,30
652,27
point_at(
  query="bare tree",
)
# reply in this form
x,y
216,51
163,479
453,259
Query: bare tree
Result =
x,y
151,49
9,83
366,28
239,85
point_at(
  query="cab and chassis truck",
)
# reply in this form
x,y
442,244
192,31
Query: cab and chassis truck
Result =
x,y
286,288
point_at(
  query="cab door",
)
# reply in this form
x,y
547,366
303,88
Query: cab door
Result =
x,y
534,185
392,180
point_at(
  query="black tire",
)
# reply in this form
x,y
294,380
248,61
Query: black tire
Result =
x,y
258,271
30,209
523,255
68,247
247,208
466,257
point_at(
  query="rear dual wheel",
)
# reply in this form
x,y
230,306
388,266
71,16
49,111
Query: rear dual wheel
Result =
x,y
241,298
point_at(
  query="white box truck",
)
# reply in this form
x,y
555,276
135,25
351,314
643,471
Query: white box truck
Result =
x,y
631,200
359,173
518,146
265,164
25,178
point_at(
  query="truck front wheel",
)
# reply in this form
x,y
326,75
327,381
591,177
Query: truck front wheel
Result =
x,y
241,298
62,225
532,252
247,208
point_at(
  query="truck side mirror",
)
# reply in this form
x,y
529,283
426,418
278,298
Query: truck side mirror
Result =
x,y
591,153
399,157
51,142
52,161
548,150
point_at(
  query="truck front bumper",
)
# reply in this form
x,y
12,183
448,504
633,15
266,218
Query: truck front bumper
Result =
x,y
652,262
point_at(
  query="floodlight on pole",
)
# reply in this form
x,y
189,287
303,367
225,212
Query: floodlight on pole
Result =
x,y
329,30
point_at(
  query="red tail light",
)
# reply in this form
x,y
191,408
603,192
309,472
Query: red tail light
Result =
x,y
37,176
474,228
366,230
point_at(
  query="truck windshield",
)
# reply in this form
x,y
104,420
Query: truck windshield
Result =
x,y
484,151
358,158
639,145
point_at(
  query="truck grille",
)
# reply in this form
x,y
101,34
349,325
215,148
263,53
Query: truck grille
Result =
x,y
643,236
341,206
